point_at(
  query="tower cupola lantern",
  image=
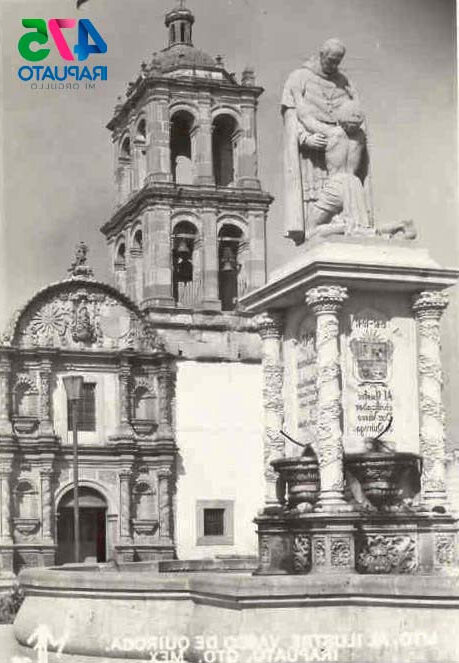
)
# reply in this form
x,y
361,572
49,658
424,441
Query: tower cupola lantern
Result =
x,y
179,21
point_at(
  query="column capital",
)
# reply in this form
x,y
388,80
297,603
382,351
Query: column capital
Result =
x,y
164,473
125,475
326,298
270,324
430,304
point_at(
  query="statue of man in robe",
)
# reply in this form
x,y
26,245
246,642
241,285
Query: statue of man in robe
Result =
x,y
325,151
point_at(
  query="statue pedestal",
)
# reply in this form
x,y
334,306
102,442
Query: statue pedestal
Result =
x,y
355,341
377,543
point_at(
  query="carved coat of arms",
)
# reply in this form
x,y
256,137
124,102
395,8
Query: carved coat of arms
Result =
x,y
371,358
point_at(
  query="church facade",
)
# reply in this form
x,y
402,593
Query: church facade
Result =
x,y
170,445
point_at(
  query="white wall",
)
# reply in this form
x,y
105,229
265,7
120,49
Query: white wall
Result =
x,y
219,435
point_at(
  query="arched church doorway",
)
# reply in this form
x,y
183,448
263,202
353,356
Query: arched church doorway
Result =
x,y
92,511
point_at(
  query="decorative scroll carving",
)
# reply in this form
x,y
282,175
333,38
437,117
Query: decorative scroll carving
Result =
x,y
301,553
445,549
388,554
428,308
320,555
340,552
326,301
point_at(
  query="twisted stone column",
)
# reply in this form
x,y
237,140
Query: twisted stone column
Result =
x,y
125,507
165,498
46,422
5,371
46,504
428,308
5,499
166,383
270,327
326,302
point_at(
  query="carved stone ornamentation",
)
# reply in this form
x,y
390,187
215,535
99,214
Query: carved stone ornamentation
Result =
x,y
270,326
125,506
301,553
326,302
428,308
5,499
340,552
320,555
388,554
164,490
264,551
86,314
445,549
46,503
166,395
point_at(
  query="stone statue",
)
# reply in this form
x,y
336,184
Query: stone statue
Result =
x,y
79,268
325,151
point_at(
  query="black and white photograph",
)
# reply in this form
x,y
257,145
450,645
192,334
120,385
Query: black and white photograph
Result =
x,y
229,322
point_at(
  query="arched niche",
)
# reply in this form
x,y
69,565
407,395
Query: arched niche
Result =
x,y
181,128
137,240
186,273
140,154
25,399
230,241
124,171
224,132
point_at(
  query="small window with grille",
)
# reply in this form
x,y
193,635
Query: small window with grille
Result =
x,y
86,412
214,522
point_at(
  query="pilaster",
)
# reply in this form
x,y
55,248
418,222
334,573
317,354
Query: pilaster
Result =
x,y
210,258
46,419
157,262
6,430
203,142
158,149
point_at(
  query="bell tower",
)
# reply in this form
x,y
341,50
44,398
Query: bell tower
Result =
x,y
188,231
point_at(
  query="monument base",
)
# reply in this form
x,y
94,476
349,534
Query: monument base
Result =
x,y
376,543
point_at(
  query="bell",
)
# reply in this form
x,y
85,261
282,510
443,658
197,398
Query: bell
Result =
x,y
182,248
227,260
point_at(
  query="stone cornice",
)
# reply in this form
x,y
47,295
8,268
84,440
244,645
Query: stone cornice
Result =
x,y
192,196
183,86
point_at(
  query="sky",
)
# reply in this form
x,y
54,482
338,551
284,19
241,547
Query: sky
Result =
x,y
57,159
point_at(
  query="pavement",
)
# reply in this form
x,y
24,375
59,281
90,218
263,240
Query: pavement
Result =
x,y
8,646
